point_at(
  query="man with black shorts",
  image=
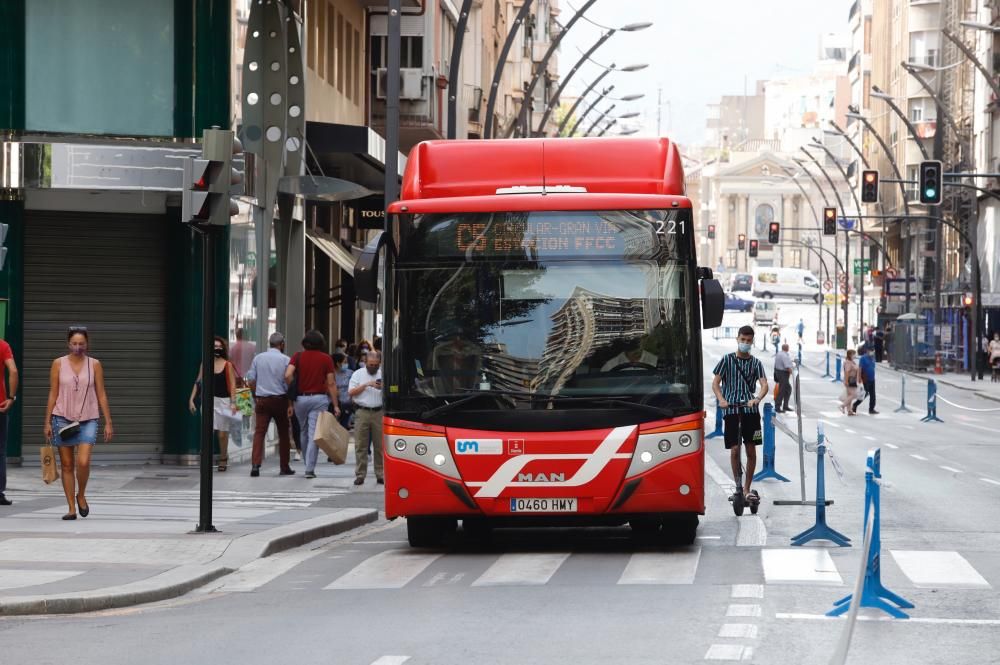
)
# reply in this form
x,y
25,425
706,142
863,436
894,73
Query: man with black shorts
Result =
x,y
737,377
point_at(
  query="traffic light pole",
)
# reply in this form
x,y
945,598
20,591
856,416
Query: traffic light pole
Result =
x,y
207,233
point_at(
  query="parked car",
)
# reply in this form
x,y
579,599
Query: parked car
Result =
x,y
764,312
741,282
738,304
785,282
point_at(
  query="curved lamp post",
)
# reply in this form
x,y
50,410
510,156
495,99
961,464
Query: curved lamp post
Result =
x,y
632,27
877,93
576,125
491,103
525,111
456,57
593,84
914,70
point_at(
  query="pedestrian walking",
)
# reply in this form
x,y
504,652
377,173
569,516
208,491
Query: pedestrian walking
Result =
x,y
224,410
76,390
783,367
800,329
866,368
342,375
317,390
365,389
775,338
735,385
850,384
994,350
266,377
242,353
879,344
8,394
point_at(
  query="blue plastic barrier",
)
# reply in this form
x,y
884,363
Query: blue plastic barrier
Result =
x,y
836,378
931,403
767,469
820,530
718,422
873,593
826,372
902,396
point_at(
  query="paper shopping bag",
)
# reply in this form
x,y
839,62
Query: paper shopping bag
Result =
x,y
331,438
50,463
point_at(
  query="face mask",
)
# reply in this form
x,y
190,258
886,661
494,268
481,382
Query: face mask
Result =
x,y
218,353
744,347
372,370
78,350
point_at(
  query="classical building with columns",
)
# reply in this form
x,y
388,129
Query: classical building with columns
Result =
x,y
742,196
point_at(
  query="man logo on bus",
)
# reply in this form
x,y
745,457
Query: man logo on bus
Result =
x,y
541,477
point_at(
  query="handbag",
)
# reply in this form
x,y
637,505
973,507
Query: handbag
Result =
x,y
50,469
330,437
67,432
293,387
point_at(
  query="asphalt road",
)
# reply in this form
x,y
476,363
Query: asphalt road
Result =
x,y
740,594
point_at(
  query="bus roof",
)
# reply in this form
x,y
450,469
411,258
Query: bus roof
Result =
x,y
636,168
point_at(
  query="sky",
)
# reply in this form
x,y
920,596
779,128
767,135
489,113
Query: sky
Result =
x,y
697,51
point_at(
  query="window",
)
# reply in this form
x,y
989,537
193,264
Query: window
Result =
x,y
411,52
324,55
359,60
332,47
341,55
349,69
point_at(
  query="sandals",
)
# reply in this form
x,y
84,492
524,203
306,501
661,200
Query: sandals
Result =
x,y
223,463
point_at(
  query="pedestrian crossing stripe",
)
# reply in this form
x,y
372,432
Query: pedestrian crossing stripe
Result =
x,y
398,568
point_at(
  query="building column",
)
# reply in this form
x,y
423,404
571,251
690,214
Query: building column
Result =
x,y
742,226
721,230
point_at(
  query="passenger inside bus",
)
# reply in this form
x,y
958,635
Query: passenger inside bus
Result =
x,y
457,363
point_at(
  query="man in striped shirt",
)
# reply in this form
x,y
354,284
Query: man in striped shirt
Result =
x,y
737,377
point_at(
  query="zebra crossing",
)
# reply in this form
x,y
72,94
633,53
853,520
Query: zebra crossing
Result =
x,y
400,568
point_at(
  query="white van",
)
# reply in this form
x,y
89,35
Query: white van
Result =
x,y
785,282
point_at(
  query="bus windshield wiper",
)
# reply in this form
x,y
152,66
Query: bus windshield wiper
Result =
x,y
619,401
462,398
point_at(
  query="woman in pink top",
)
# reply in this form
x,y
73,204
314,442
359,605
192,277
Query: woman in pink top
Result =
x,y
76,390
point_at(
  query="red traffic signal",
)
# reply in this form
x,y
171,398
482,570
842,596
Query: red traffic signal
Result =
x,y
967,300
869,186
754,247
829,221
711,231
773,232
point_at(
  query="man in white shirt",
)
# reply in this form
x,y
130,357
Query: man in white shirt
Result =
x,y
365,389
783,366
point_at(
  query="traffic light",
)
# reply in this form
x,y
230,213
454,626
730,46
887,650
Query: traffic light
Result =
x,y
773,232
754,247
205,197
829,221
741,241
967,300
711,231
930,182
869,186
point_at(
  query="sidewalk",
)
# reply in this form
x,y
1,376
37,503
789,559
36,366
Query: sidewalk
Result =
x,y
985,389
137,545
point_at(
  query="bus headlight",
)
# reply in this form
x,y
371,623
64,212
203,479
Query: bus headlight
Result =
x,y
685,440
399,445
421,449
646,457
439,459
664,445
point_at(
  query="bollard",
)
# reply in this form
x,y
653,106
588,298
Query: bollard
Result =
x,y
826,372
718,422
873,593
902,396
836,378
798,359
820,530
767,469
931,403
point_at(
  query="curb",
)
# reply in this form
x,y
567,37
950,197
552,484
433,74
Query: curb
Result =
x,y
956,386
183,579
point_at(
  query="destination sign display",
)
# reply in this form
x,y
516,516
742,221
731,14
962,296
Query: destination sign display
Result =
x,y
534,236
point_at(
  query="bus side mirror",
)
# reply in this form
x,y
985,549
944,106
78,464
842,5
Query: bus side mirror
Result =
x,y
713,303
366,269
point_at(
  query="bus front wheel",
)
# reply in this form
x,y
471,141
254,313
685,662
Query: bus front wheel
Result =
x,y
428,531
680,529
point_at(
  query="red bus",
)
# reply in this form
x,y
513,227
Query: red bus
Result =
x,y
542,357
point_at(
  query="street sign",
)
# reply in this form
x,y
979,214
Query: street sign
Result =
x,y
827,286
862,266
845,223
890,272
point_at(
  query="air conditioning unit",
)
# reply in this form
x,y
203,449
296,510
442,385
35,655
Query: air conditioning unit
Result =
x,y
411,83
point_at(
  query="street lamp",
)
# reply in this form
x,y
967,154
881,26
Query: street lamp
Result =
x,y
579,100
622,116
629,131
565,120
877,93
914,70
525,110
632,27
491,103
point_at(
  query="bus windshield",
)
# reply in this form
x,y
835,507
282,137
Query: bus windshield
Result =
x,y
546,311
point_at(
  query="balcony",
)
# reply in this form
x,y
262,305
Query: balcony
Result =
x,y
419,113
855,59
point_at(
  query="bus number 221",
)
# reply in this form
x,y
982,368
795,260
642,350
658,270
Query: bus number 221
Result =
x,y
670,225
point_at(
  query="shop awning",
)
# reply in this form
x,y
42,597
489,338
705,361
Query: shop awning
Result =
x,y
349,152
337,252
